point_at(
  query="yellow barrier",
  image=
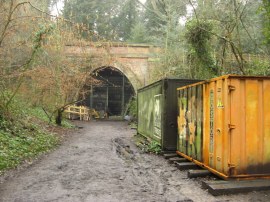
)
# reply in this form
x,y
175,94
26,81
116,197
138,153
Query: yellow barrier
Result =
x,y
83,112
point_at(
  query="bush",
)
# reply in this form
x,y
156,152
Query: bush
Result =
x,y
258,68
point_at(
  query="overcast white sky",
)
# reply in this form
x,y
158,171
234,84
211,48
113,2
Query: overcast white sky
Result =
x,y
60,5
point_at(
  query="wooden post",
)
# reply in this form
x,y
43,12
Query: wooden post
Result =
x,y
80,112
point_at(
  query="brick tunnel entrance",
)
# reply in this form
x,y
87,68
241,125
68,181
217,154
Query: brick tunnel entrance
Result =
x,y
109,91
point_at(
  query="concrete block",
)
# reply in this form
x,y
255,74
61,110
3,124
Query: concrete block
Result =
x,y
221,187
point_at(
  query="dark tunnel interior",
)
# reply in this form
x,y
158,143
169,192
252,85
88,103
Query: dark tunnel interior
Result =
x,y
110,92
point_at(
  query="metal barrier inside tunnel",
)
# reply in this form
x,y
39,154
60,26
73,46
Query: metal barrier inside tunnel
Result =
x,y
110,93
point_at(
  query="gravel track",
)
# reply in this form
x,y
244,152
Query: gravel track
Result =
x,y
101,163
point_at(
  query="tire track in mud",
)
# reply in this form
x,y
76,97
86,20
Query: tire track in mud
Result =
x,y
150,172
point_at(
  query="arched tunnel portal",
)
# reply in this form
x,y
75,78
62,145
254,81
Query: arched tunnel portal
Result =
x,y
109,91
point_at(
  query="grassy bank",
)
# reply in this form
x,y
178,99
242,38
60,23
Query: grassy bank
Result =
x,y
16,148
25,135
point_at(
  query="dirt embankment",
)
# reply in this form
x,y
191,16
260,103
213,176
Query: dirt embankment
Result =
x,y
101,163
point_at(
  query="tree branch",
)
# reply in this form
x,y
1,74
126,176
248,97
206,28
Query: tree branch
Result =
x,y
194,10
151,10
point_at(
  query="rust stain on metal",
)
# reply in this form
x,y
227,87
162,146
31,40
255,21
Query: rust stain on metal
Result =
x,y
236,126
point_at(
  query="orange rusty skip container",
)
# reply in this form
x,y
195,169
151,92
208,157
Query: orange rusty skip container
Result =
x,y
235,137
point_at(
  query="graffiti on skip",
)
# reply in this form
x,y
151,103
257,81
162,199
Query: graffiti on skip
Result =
x,y
157,115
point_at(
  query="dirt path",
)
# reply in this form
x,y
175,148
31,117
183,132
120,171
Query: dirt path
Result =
x,y
100,163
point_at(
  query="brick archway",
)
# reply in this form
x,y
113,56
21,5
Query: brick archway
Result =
x,y
135,61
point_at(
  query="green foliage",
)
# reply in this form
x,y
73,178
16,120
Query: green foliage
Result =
x,y
22,135
20,139
67,124
198,36
132,107
154,147
39,113
139,34
149,146
126,19
15,109
43,30
30,56
25,144
258,68
161,17
172,61
108,19
265,9
39,36
154,21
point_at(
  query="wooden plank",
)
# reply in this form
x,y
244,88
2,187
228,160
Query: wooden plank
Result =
x,y
198,173
167,152
74,112
177,159
170,155
221,187
186,165
82,111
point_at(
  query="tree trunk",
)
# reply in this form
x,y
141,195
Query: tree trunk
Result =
x,y
58,119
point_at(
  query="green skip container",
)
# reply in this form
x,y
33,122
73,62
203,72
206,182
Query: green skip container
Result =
x,y
157,111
